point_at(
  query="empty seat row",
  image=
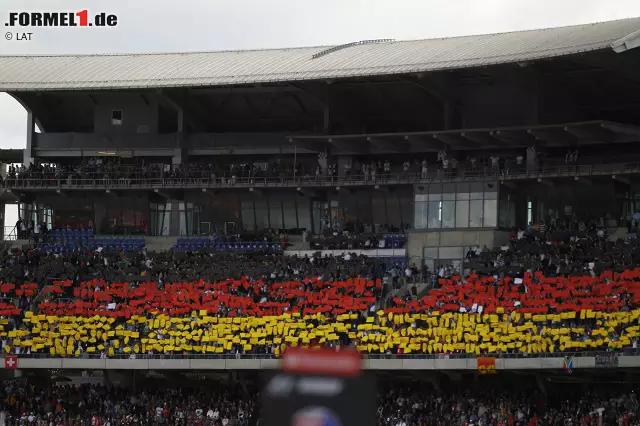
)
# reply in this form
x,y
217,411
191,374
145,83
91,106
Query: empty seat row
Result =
x,y
71,232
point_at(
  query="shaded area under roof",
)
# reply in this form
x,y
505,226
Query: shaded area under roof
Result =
x,y
130,71
567,134
9,156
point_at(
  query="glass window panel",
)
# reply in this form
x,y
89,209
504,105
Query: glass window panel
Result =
x,y
435,197
476,187
449,191
490,195
248,218
462,188
503,212
451,252
348,209
365,212
435,214
304,213
422,197
275,214
462,214
141,207
379,209
393,211
476,195
449,196
406,208
490,213
430,252
448,214
449,188
435,188
262,215
183,222
475,213
290,216
175,222
462,196
166,223
420,216
490,187
430,264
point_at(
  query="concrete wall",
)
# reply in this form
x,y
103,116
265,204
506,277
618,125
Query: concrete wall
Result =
x,y
139,115
415,363
418,240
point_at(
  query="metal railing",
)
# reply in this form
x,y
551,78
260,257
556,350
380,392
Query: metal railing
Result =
x,y
459,175
10,233
515,355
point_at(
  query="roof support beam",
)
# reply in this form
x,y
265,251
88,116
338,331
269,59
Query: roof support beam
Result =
x,y
309,145
453,140
622,128
301,106
481,138
584,180
163,194
179,106
389,145
425,142
546,182
550,137
511,137
622,179
354,146
591,133
11,195
436,86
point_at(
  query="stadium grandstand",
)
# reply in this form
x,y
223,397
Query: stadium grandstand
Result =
x,y
464,212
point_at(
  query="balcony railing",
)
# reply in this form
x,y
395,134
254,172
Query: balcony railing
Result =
x,y
204,181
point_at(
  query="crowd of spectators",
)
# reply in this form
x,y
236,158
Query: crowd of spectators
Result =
x,y
212,403
560,289
559,248
344,239
109,169
19,266
109,304
35,402
501,404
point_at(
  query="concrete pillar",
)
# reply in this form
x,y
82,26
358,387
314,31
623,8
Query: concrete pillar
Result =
x,y
532,159
31,132
2,228
180,154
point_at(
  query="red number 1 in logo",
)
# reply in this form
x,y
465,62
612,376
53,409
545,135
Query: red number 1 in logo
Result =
x,y
84,17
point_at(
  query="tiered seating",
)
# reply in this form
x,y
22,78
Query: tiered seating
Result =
x,y
125,243
474,316
70,236
187,244
74,240
329,241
